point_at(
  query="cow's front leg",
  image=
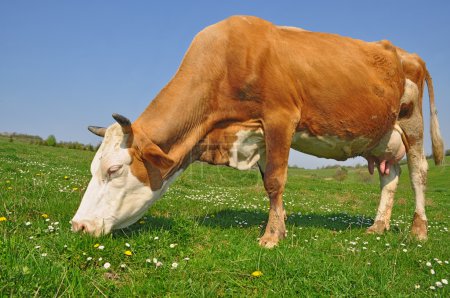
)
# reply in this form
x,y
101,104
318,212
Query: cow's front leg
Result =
x,y
278,140
276,228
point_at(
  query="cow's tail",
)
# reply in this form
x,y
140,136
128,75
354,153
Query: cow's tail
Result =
x,y
436,138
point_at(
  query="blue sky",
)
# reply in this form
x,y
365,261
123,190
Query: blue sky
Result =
x,y
65,65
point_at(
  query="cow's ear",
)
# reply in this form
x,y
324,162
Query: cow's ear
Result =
x,y
154,155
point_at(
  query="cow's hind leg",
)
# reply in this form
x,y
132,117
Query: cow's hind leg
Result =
x,y
278,140
412,124
388,185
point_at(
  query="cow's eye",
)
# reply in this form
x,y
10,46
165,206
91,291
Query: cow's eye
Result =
x,y
114,170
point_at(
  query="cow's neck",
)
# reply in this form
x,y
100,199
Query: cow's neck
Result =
x,y
178,118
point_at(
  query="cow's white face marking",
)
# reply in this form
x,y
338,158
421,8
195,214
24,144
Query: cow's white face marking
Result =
x,y
114,198
247,149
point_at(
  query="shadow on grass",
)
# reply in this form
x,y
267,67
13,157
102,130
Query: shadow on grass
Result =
x,y
229,218
151,224
243,218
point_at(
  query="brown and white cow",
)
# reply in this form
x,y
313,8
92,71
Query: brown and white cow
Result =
x,y
246,92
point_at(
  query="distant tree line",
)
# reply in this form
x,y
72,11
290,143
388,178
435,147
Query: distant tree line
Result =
x,y
49,141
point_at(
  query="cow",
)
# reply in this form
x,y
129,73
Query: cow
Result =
x,y
245,93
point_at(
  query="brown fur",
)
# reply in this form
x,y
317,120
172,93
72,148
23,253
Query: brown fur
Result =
x,y
247,70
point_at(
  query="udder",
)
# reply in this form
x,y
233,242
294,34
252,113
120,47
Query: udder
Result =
x,y
389,151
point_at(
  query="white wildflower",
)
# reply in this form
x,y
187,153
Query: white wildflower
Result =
x,y
106,265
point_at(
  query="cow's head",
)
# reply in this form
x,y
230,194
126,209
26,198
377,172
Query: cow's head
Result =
x,y
129,173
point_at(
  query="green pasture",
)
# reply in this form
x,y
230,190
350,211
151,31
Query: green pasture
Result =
x,y
200,239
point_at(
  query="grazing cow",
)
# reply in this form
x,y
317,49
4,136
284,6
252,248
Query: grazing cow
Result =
x,y
245,93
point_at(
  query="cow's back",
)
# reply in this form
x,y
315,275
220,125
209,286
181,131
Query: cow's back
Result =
x,y
341,87
346,88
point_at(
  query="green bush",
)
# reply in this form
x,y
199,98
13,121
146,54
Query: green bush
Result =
x,y
51,141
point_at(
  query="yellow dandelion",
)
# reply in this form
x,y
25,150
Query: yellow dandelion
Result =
x,y
75,188
66,177
2,218
257,273
128,253
44,215
96,245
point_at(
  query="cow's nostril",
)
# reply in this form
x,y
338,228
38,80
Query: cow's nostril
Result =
x,y
79,226
82,228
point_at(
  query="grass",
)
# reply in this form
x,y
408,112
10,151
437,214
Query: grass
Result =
x,y
208,223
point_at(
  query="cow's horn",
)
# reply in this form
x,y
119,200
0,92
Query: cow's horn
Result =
x,y
123,121
100,131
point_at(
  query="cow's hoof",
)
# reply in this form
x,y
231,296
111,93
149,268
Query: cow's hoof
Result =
x,y
377,228
268,241
419,228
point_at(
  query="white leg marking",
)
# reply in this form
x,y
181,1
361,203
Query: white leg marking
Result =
x,y
388,184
